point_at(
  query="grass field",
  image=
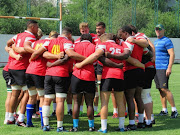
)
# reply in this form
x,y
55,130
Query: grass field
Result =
x,y
164,125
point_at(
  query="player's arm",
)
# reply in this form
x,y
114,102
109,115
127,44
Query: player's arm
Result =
x,y
58,62
10,42
28,48
171,61
19,50
49,55
74,55
90,59
14,55
7,49
37,53
107,62
120,56
135,62
141,42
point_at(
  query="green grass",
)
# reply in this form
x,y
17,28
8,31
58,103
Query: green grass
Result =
x,y
164,125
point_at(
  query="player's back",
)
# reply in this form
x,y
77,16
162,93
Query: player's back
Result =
x,y
85,48
19,40
110,72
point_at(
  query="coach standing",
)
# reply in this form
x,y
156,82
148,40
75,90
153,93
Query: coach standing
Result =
x,y
164,61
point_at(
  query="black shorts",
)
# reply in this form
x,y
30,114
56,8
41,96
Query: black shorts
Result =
x,y
18,77
69,79
35,81
133,78
161,79
7,78
55,84
98,69
148,77
112,83
82,86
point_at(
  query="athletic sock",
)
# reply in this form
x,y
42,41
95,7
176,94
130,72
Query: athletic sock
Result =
x,y
174,109
40,111
91,123
45,113
141,118
131,122
21,117
148,122
121,122
75,122
152,117
59,123
164,109
103,124
96,108
29,111
11,117
54,107
115,110
6,116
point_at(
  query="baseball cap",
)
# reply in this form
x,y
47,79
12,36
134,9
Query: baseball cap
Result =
x,y
159,27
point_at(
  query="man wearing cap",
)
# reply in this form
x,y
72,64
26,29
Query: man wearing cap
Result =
x,y
164,50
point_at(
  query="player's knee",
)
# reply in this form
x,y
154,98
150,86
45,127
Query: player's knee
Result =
x,y
24,88
32,92
51,96
146,97
40,92
16,87
61,95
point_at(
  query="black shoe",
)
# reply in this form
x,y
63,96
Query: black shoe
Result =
x,y
70,112
140,125
131,127
53,113
74,129
153,121
91,129
162,113
148,126
174,114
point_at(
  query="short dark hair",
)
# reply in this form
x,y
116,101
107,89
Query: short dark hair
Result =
x,y
127,29
86,37
30,22
67,30
101,24
134,29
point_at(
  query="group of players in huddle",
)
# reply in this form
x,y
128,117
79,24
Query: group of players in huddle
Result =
x,y
55,67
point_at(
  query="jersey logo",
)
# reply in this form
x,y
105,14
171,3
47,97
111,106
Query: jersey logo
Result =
x,y
38,46
55,49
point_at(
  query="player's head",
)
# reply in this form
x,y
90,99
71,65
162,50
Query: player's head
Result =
x,y
159,29
84,28
32,26
67,32
116,39
39,34
100,28
86,37
106,36
53,34
134,29
124,32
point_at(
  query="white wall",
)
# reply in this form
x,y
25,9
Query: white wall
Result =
x,y
5,37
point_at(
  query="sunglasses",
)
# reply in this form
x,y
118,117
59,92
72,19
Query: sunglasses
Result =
x,y
158,29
